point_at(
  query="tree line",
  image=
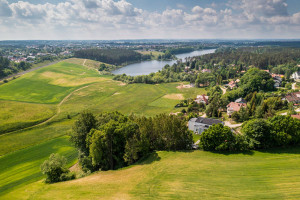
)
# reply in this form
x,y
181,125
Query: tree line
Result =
x,y
278,131
111,56
224,64
7,68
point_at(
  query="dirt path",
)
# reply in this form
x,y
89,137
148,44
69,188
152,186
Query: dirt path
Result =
x,y
58,106
84,62
55,115
227,123
294,86
29,70
223,89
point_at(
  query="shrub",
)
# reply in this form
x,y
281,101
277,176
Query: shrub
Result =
x,y
217,137
55,169
257,133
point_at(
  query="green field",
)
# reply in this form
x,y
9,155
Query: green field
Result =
x,y
17,115
49,84
154,54
23,167
185,175
58,91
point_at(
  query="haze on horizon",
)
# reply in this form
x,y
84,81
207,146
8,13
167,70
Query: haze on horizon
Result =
x,y
144,19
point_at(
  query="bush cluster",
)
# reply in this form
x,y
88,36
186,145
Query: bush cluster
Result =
x,y
279,131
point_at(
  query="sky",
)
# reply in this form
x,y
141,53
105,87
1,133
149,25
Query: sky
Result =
x,y
149,19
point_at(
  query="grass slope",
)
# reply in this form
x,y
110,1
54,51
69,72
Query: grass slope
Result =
x,y
18,115
23,167
49,84
185,175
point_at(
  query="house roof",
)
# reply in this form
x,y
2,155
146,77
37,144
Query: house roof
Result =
x,y
293,97
202,98
235,106
296,116
240,100
208,121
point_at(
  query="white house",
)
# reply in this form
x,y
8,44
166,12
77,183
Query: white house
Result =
x,y
296,75
200,124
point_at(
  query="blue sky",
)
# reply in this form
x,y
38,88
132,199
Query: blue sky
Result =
x,y
146,19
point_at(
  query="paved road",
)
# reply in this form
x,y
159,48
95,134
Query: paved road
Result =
x,y
29,70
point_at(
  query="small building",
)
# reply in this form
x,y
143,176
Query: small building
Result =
x,y
206,71
232,84
296,116
202,99
293,97
296,75
240,100
234,107
200,124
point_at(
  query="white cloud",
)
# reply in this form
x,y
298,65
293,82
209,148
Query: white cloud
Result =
x,y
5,10
109,19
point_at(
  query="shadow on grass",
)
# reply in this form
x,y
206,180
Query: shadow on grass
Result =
x,y
146,160
274,150
280,150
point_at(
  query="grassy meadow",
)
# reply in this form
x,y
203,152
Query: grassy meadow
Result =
x,y
184,175
154,54
17,115
49,84
23,167
61,90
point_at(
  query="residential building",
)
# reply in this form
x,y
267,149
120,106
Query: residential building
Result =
x,y
200,124
206,71
296,116
202,99
234,107
293,97
296,75
232,84
240,100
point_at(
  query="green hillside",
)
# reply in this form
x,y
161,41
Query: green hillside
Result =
x,y
185,175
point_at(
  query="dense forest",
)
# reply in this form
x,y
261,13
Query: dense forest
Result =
x,y
111,56
263,58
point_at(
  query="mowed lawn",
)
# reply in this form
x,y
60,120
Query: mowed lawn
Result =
x,y
23,167
185,175
49,84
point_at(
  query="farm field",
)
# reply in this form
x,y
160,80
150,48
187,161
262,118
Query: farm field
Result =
x,y
184,175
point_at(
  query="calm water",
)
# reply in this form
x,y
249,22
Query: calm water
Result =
x,y
147,67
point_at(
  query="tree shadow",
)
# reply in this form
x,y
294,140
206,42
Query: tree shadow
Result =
x,y
227,153
150,158
280,150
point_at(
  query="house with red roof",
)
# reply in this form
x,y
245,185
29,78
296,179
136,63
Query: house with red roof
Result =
x,y
234,107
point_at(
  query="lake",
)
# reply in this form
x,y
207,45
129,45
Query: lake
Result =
x,y
147,67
